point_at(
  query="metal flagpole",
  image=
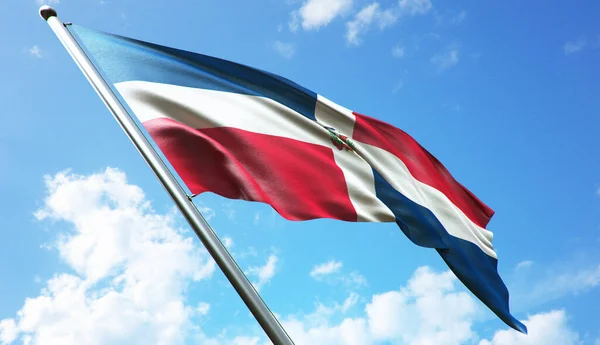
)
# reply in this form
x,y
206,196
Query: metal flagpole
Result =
x,y
217,250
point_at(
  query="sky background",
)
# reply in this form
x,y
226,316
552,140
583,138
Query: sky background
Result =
x,y
504,93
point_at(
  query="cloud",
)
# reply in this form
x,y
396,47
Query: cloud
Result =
x,y
207,212
354,280
202,308
8,331
294,23
415,7
325,268
398,51
35,51
330,273
349,332
544,328
324,313
250,252
374,14
537,285
264,273
458,18
349,302
287,50
364,18
450,17
524,264
229,211
428,310
314,14
574,46
445,60
228,242
245,341
256,218
317,328
131,268
570,282
399,85
47,2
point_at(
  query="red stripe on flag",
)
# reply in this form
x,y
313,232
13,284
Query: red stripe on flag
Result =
x,y
422,165
299,180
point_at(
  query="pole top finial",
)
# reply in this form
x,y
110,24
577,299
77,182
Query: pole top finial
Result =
x,y
47,12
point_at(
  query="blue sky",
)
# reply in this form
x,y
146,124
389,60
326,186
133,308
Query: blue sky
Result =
x,y
504,93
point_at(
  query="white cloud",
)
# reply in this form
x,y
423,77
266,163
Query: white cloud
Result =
x,y
349,302
349,332
36,52
524,264
250,252
399,85
287,50
317,328
573,281
228,242
451,17
326,268
264,273
8,331
414,7
229,211
383,18
458,18
330,272
543,329
574,46
354,280
207,212
428,310
398,51
245,341
47,2
256,218
446,59
202,308
132,267
314,14
364,18
294,22
540,284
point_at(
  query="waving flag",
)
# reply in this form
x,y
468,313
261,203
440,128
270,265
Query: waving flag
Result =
x,y
248,134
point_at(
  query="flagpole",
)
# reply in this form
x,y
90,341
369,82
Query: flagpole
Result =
x,y
217,250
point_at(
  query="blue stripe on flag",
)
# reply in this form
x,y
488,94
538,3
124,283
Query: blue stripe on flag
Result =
x,y
124,59
477,270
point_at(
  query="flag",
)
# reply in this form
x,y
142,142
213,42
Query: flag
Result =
x,y
248,134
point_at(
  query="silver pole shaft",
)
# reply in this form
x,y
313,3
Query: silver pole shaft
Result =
x,y
217,250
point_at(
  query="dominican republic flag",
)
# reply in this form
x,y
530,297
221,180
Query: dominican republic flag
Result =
x,y
248,134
